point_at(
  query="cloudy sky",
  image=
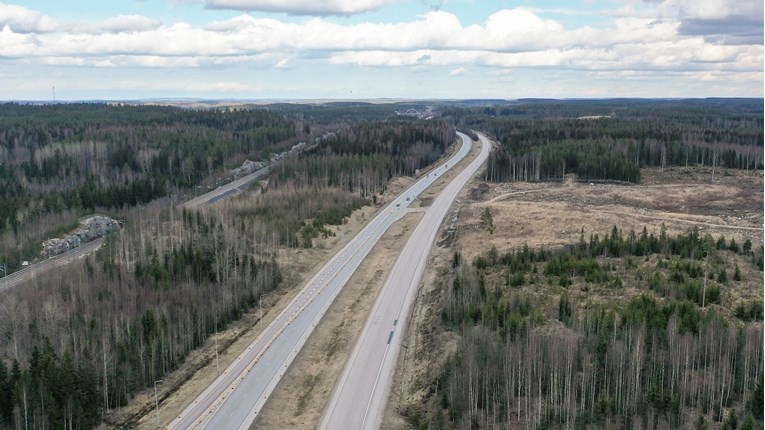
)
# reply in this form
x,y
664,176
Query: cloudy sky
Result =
x,y
319,49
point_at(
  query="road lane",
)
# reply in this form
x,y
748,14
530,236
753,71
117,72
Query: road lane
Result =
x,y
235,398
211,197
238,185
359,398
226,190
43,266
67,257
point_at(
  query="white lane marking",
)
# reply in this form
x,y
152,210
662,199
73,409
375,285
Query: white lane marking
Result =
x,y
360,246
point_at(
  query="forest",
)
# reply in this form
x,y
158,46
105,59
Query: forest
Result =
x,y
613,139
349,170
125,317
537,348
82,340
59,162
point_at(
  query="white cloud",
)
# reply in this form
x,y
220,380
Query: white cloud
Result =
x,y
22,20
712,9
513,38
508,39
510,31
15,44
153,61
519,21
301,7
734,22
124,23
546,58
691,54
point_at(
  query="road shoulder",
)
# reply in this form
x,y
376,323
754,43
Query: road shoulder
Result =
x,y
300,398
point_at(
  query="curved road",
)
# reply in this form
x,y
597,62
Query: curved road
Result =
x,y
359,398
235,398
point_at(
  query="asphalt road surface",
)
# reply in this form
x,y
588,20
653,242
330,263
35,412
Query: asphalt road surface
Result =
x,y
235,186
359,398
226,190
42,266
235,398
223,191
33,270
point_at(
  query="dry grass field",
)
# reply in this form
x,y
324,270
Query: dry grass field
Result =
x,y
554,214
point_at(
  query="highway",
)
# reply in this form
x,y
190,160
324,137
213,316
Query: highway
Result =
x,y
33,270
226,190
67,257
358,400
205,199
236,186
235,398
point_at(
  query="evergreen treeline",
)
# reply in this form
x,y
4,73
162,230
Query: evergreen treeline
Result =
x,y
85,156
322,187
365,156
64,391
342,113
60,161
672,359
545,140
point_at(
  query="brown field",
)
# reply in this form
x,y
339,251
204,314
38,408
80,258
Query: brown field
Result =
x,y
554,214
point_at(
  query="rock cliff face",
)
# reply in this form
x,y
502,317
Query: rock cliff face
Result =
x,y
91,229
247,168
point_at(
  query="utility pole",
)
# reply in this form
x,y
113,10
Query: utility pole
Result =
x,y
156,403
5,272
217,365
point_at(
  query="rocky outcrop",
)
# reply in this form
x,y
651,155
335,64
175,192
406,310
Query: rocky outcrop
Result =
x,y
91,229
248,167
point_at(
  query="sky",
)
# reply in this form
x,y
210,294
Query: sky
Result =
x,y
362,49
